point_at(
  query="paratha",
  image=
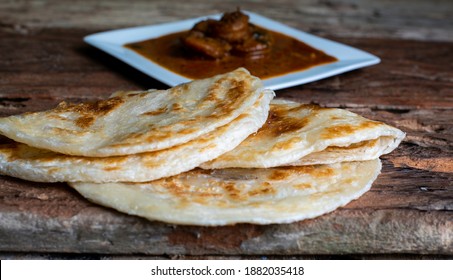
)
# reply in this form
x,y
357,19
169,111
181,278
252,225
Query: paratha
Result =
x,y
365,150
294,131
137,122
230,196
34,164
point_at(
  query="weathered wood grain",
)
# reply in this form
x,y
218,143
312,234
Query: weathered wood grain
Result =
x,y
409,209
415,19
412,74
398,215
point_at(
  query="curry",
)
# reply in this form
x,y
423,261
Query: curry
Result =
x,y
209,48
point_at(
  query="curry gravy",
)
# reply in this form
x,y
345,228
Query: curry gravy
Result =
x,y
286,55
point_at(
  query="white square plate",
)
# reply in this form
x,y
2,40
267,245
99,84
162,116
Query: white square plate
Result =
x,y
113,42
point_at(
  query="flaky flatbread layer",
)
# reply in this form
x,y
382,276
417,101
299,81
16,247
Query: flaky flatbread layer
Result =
x,y
230,196
299,134
365,150
25,162
137,122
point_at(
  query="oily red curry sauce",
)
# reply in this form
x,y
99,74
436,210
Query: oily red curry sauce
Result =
x,y
286,55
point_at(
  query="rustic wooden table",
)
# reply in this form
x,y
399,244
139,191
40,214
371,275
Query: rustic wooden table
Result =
x,y
408,212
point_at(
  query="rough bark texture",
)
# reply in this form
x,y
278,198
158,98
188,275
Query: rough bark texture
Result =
x,y
409,209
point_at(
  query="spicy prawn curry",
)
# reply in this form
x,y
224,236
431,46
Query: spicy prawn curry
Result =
x,y
213,46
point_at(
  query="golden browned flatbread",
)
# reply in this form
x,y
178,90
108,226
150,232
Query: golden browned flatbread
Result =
x,y
261,162
34,164
137,122
298,134
229,196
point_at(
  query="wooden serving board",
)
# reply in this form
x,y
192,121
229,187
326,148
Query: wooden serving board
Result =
x,y
408,210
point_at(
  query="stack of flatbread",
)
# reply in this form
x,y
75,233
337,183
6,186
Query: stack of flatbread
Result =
x,y
210,152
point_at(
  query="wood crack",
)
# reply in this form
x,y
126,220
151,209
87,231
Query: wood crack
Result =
x,y
17,102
